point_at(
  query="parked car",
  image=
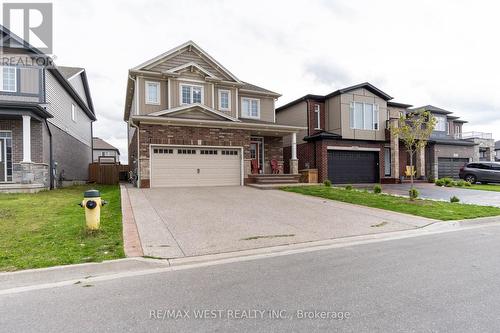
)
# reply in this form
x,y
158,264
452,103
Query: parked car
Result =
x,y
484,172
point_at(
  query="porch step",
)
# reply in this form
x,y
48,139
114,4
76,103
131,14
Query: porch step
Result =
x,y
274,179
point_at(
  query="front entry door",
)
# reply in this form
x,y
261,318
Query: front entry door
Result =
x,y
256,154
3,161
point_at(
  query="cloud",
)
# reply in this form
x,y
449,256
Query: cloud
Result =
x,y
327,74
294,48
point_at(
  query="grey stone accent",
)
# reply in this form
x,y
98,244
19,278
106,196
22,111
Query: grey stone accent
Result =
x,y
294,166
30,173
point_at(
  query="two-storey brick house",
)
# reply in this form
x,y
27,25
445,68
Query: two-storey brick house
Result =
x,y
191,122
46,116
346,134
348,140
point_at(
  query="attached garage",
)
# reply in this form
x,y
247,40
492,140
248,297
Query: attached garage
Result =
x,y
350,166
450,166
195,166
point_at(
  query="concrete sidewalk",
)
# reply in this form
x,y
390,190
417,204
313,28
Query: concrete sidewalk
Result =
x,y
185,222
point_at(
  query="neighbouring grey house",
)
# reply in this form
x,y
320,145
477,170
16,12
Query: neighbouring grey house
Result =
x,y
449,148
103,149
46,116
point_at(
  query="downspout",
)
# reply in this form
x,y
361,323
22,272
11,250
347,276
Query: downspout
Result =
x,y
131,123
51,157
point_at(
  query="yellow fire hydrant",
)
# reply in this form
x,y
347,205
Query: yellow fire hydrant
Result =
x,y
92,203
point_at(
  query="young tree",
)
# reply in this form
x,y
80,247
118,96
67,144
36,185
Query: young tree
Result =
x,y
414,130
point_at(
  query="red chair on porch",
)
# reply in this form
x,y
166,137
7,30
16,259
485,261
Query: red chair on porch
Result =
x,y
274,167
255,167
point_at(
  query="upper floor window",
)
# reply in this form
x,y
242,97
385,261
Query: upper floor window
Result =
x,y
152,92
225,100
73,112
191,94
8,78
317,115
440,123
250,108
364,116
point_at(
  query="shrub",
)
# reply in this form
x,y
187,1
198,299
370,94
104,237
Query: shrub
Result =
x,y
327,183
439,182
377,189
431,179
348,187
413,192
448,182
467,184
460,183
454,199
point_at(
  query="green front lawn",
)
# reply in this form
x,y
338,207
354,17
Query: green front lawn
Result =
x,y
426,208
485,187
48,228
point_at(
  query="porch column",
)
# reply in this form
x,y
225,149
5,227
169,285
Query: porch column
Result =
x,y
26,139
294,146
420,163
294,163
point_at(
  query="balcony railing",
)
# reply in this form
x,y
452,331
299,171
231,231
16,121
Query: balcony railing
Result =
x,y
476,135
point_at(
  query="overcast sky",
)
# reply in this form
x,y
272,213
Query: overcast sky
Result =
x,y
444,53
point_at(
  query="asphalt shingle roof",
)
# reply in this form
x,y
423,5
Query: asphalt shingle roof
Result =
x,y
101,144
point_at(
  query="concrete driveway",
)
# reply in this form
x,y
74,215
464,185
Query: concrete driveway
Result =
x,y
431,191
178,222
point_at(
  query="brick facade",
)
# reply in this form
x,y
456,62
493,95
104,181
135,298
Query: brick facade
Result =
x,y
36,172
311,116
314,155
199,136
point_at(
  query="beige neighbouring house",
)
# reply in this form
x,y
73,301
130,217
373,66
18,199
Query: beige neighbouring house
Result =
x,y
102,150
191,122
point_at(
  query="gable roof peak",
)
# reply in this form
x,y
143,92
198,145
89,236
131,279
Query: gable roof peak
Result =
x,y
189,44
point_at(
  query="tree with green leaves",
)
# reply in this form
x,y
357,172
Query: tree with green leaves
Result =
x,y
414,129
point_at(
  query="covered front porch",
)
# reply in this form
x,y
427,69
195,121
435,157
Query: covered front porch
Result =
x,y
24,159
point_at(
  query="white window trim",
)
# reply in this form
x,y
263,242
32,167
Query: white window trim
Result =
x,y
146,93
73,112
228,99
1,79
258,108
375,113
191,93
317,111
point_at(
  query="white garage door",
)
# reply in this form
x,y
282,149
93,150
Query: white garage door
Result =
x,y
195,166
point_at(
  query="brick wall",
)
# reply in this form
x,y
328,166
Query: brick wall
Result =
x,y
317,156
312,117
16,126
181,135
273,150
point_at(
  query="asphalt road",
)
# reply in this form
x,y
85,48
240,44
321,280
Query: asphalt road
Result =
x,y
446,282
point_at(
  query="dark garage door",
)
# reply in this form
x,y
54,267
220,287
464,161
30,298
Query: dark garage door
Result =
x,y
449,166
346,166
